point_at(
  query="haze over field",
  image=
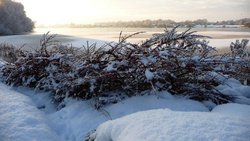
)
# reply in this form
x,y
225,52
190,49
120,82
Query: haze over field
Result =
x,y
91,11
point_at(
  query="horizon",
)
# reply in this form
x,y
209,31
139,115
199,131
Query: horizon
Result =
x,y
124,21
54,12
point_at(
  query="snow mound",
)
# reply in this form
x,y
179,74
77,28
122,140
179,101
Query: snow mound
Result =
x,y
235,88
78,118
149,102
73,122
166,125
233,109
20,120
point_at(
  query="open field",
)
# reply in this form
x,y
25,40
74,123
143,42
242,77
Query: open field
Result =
x,y
220,38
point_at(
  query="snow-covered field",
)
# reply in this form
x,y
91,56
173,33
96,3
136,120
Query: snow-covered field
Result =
x,y
33,41
28,115
219,39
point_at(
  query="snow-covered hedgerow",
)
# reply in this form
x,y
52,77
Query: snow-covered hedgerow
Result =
x,y
181,63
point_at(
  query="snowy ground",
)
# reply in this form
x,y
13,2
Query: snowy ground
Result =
x,y
220,40
167,125
33,41
223,43
28,110
28,115
20,120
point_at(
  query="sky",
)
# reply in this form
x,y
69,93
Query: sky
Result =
x,y
49,12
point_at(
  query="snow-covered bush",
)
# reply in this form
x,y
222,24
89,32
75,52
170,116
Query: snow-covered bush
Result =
x,y
181,63
240,60
9,52
238,49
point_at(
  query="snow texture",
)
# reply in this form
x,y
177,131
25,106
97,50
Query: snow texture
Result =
x,y
28,115
31,41
222,43
234,87
20,120
149,75
167,125
234,109
78,118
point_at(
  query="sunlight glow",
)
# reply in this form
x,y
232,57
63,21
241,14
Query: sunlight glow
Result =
x,y
90,11
63,11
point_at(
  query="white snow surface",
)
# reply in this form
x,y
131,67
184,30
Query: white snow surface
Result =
x,y
78,118
233,109
20,120
167,125
222,43
33,41
234,87
27,115
149,75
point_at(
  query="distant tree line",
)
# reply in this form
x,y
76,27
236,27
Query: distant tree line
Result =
x,y
13,19
165,23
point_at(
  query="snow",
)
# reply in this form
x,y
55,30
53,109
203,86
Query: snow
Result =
x,y
20,120
114,65
2,62
220,43
196,58
29,115
220,39
73,122
234,87
216,76
147,60
111,67
32,41
164,124
79,42
148,102
233,109
149,75
77,118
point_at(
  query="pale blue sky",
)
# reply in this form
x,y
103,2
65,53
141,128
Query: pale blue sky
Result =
x,y
90,11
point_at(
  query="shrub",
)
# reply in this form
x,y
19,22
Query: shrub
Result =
x,y
240,60
10,53
182,63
